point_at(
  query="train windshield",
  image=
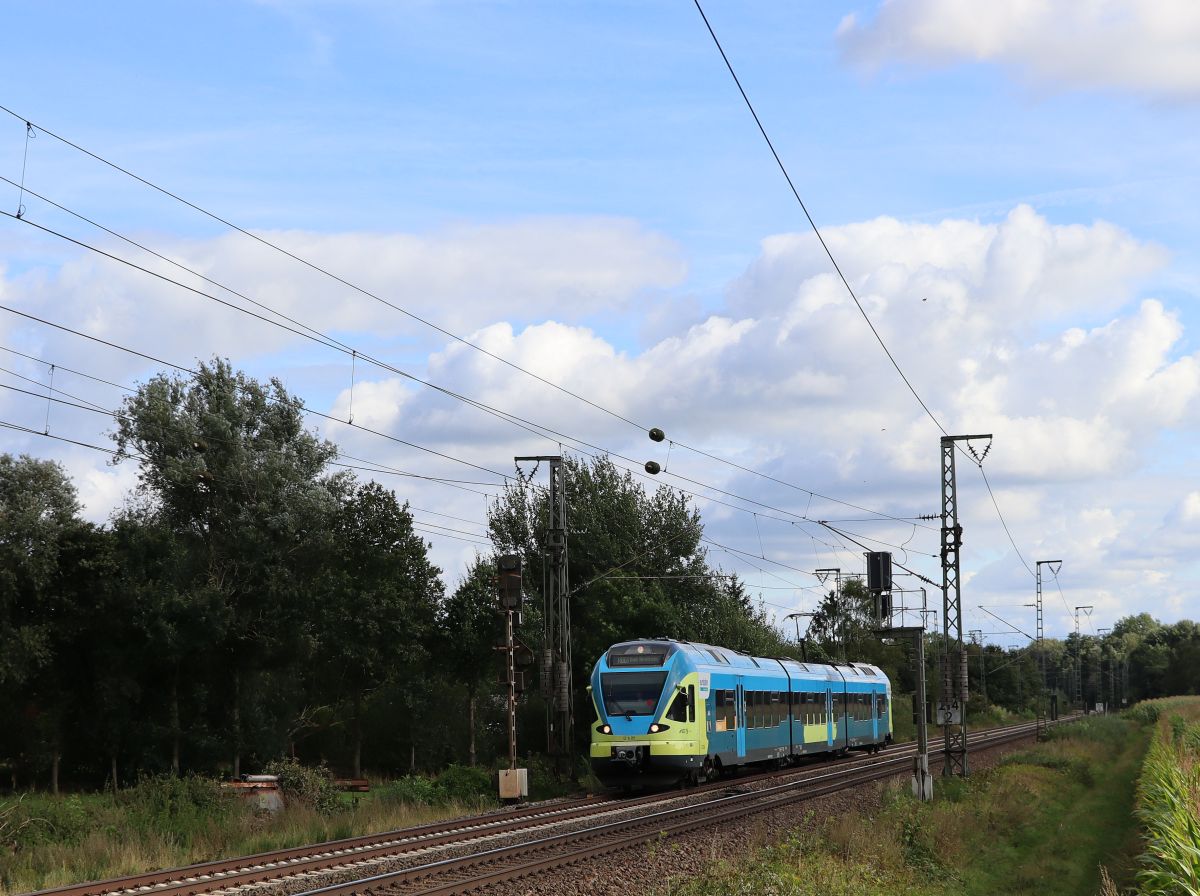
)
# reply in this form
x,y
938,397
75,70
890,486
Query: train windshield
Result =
x,y
631,693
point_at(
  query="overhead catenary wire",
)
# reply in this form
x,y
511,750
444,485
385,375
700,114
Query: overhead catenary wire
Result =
x,y
343,281
841,275
187,370
525,424
813,224
87,405
512,418
183,369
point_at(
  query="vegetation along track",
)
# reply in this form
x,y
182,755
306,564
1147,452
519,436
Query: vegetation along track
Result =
x,y
480,862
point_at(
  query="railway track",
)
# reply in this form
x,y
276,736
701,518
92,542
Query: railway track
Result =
x,y
534,839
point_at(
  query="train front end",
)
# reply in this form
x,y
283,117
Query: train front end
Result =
x,y
649,729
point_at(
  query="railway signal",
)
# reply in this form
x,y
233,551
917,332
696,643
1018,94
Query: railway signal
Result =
x,y
514,782
509,581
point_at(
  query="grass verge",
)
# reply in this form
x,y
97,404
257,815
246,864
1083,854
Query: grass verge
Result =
x,y
1044,821
165,822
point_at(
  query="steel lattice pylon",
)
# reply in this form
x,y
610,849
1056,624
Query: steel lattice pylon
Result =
x,y
556,669
953,706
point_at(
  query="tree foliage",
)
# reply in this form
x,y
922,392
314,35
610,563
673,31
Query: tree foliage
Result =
x,y
250,605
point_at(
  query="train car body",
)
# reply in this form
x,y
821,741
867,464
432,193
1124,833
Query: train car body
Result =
x,y
669,710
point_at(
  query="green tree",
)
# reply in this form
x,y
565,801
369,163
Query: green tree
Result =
x,y
226,465
638,566
179,620
41,547
470,631
379,599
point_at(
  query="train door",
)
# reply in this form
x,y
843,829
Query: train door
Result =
x,y
874,715
741,719
829,722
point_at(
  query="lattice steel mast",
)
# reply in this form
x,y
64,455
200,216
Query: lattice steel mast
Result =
x,y
952,710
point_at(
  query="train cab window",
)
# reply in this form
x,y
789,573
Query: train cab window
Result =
x,y
679,708
631,693
691,703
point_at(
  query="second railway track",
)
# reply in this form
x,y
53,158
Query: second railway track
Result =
x,y
534,838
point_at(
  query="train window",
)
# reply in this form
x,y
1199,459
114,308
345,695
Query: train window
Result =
x,y
631,693
679,708
691,703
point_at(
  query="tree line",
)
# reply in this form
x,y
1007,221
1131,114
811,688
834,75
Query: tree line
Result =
x,y
253,600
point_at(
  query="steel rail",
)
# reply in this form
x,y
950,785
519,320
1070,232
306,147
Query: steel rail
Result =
x,y
221,872
618,835
331,855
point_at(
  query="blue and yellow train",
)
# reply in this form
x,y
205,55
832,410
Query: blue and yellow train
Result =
x,y
673,710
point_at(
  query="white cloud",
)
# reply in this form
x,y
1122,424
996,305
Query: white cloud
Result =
x,y
1145,48
1033,331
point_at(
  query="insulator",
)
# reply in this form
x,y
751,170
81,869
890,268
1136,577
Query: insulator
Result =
x,y
652,467
657,435
560,686
963,675
546,672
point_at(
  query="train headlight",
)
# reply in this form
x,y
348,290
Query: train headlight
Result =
x,y
655,728
605,729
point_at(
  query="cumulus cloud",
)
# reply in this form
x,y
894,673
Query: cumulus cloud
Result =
x,y
1034,331
1144,48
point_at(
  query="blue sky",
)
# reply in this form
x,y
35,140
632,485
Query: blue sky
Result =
x,y
579,187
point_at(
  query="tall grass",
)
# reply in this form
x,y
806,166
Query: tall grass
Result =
x,y
1041,822
1169,800
164,822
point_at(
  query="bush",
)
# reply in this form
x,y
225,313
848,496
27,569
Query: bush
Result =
x,y
36,820
180,809
465,784
306,785
1073,766
412,790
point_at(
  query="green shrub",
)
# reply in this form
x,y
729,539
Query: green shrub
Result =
x,y
1108,730
465,784
36,820
178,808
306,785
1072,766
412,790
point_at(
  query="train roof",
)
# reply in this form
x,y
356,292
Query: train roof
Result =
x,y
709,658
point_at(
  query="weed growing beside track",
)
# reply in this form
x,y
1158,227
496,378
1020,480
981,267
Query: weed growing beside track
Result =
x,y
1169,798
1042,821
